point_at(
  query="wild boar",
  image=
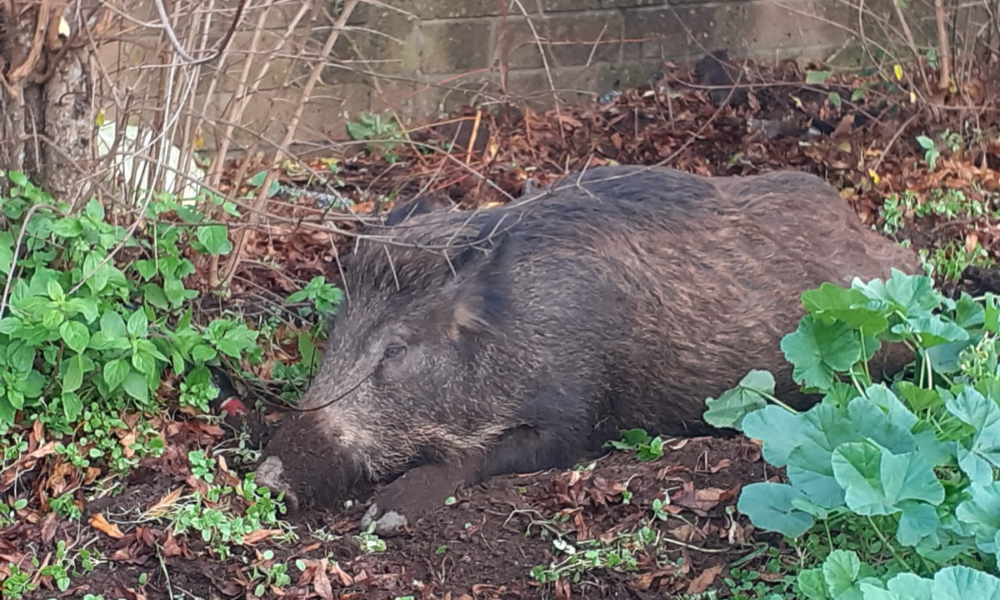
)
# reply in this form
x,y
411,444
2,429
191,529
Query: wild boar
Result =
x,y
622,298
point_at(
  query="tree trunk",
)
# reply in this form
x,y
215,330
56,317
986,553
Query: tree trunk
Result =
x,y
46,94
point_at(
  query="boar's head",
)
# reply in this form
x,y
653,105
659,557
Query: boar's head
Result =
x,y
399,384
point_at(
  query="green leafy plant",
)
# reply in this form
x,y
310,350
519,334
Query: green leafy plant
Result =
x,y
647,449
269,575
226,514
369,542
87,335
931,152
909,464
375,127
574,561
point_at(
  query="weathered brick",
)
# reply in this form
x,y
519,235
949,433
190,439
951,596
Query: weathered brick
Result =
x,y
453,9
595,79
550,6
268,115
568,39
454,47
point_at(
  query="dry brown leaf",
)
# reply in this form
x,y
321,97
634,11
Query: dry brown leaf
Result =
x,y
345,579
703,499
261,534
701,582
127,441
101,524
163,505
321,583
722,464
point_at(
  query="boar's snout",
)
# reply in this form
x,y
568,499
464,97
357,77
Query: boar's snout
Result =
x,y
271,474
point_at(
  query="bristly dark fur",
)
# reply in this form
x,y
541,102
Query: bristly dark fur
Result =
x,y
623,299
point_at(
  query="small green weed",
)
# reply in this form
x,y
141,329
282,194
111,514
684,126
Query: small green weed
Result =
x,y
369,542
588,556
382,131
647,449
273,577
225,514
952,260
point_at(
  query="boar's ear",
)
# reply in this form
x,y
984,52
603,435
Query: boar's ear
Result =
x,y
403,211
476,307
481,298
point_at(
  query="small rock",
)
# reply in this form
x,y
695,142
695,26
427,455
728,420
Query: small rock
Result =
x,y
388,525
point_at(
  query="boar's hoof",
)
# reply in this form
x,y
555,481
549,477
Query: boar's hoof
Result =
x,y
271,474
414,495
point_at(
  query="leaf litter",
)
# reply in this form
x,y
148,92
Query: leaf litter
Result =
x,y
651,528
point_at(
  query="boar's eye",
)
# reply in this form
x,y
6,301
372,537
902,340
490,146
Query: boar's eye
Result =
x,y
395,351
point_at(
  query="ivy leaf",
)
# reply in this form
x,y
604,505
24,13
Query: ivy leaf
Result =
x,y
769,506
76,335
215,238
115,372
733,405
73,378
818,350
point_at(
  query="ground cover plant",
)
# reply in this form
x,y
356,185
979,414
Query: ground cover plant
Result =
x,y
124,468
891,489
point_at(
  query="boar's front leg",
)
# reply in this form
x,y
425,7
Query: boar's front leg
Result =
x,y
548,443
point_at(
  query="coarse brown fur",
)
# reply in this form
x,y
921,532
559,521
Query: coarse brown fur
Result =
x,y
623,299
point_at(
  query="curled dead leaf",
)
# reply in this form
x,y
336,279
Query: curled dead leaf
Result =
x,y
101,524
700,583
321,583
163,505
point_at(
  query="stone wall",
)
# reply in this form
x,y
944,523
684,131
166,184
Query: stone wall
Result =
x,y
421,58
